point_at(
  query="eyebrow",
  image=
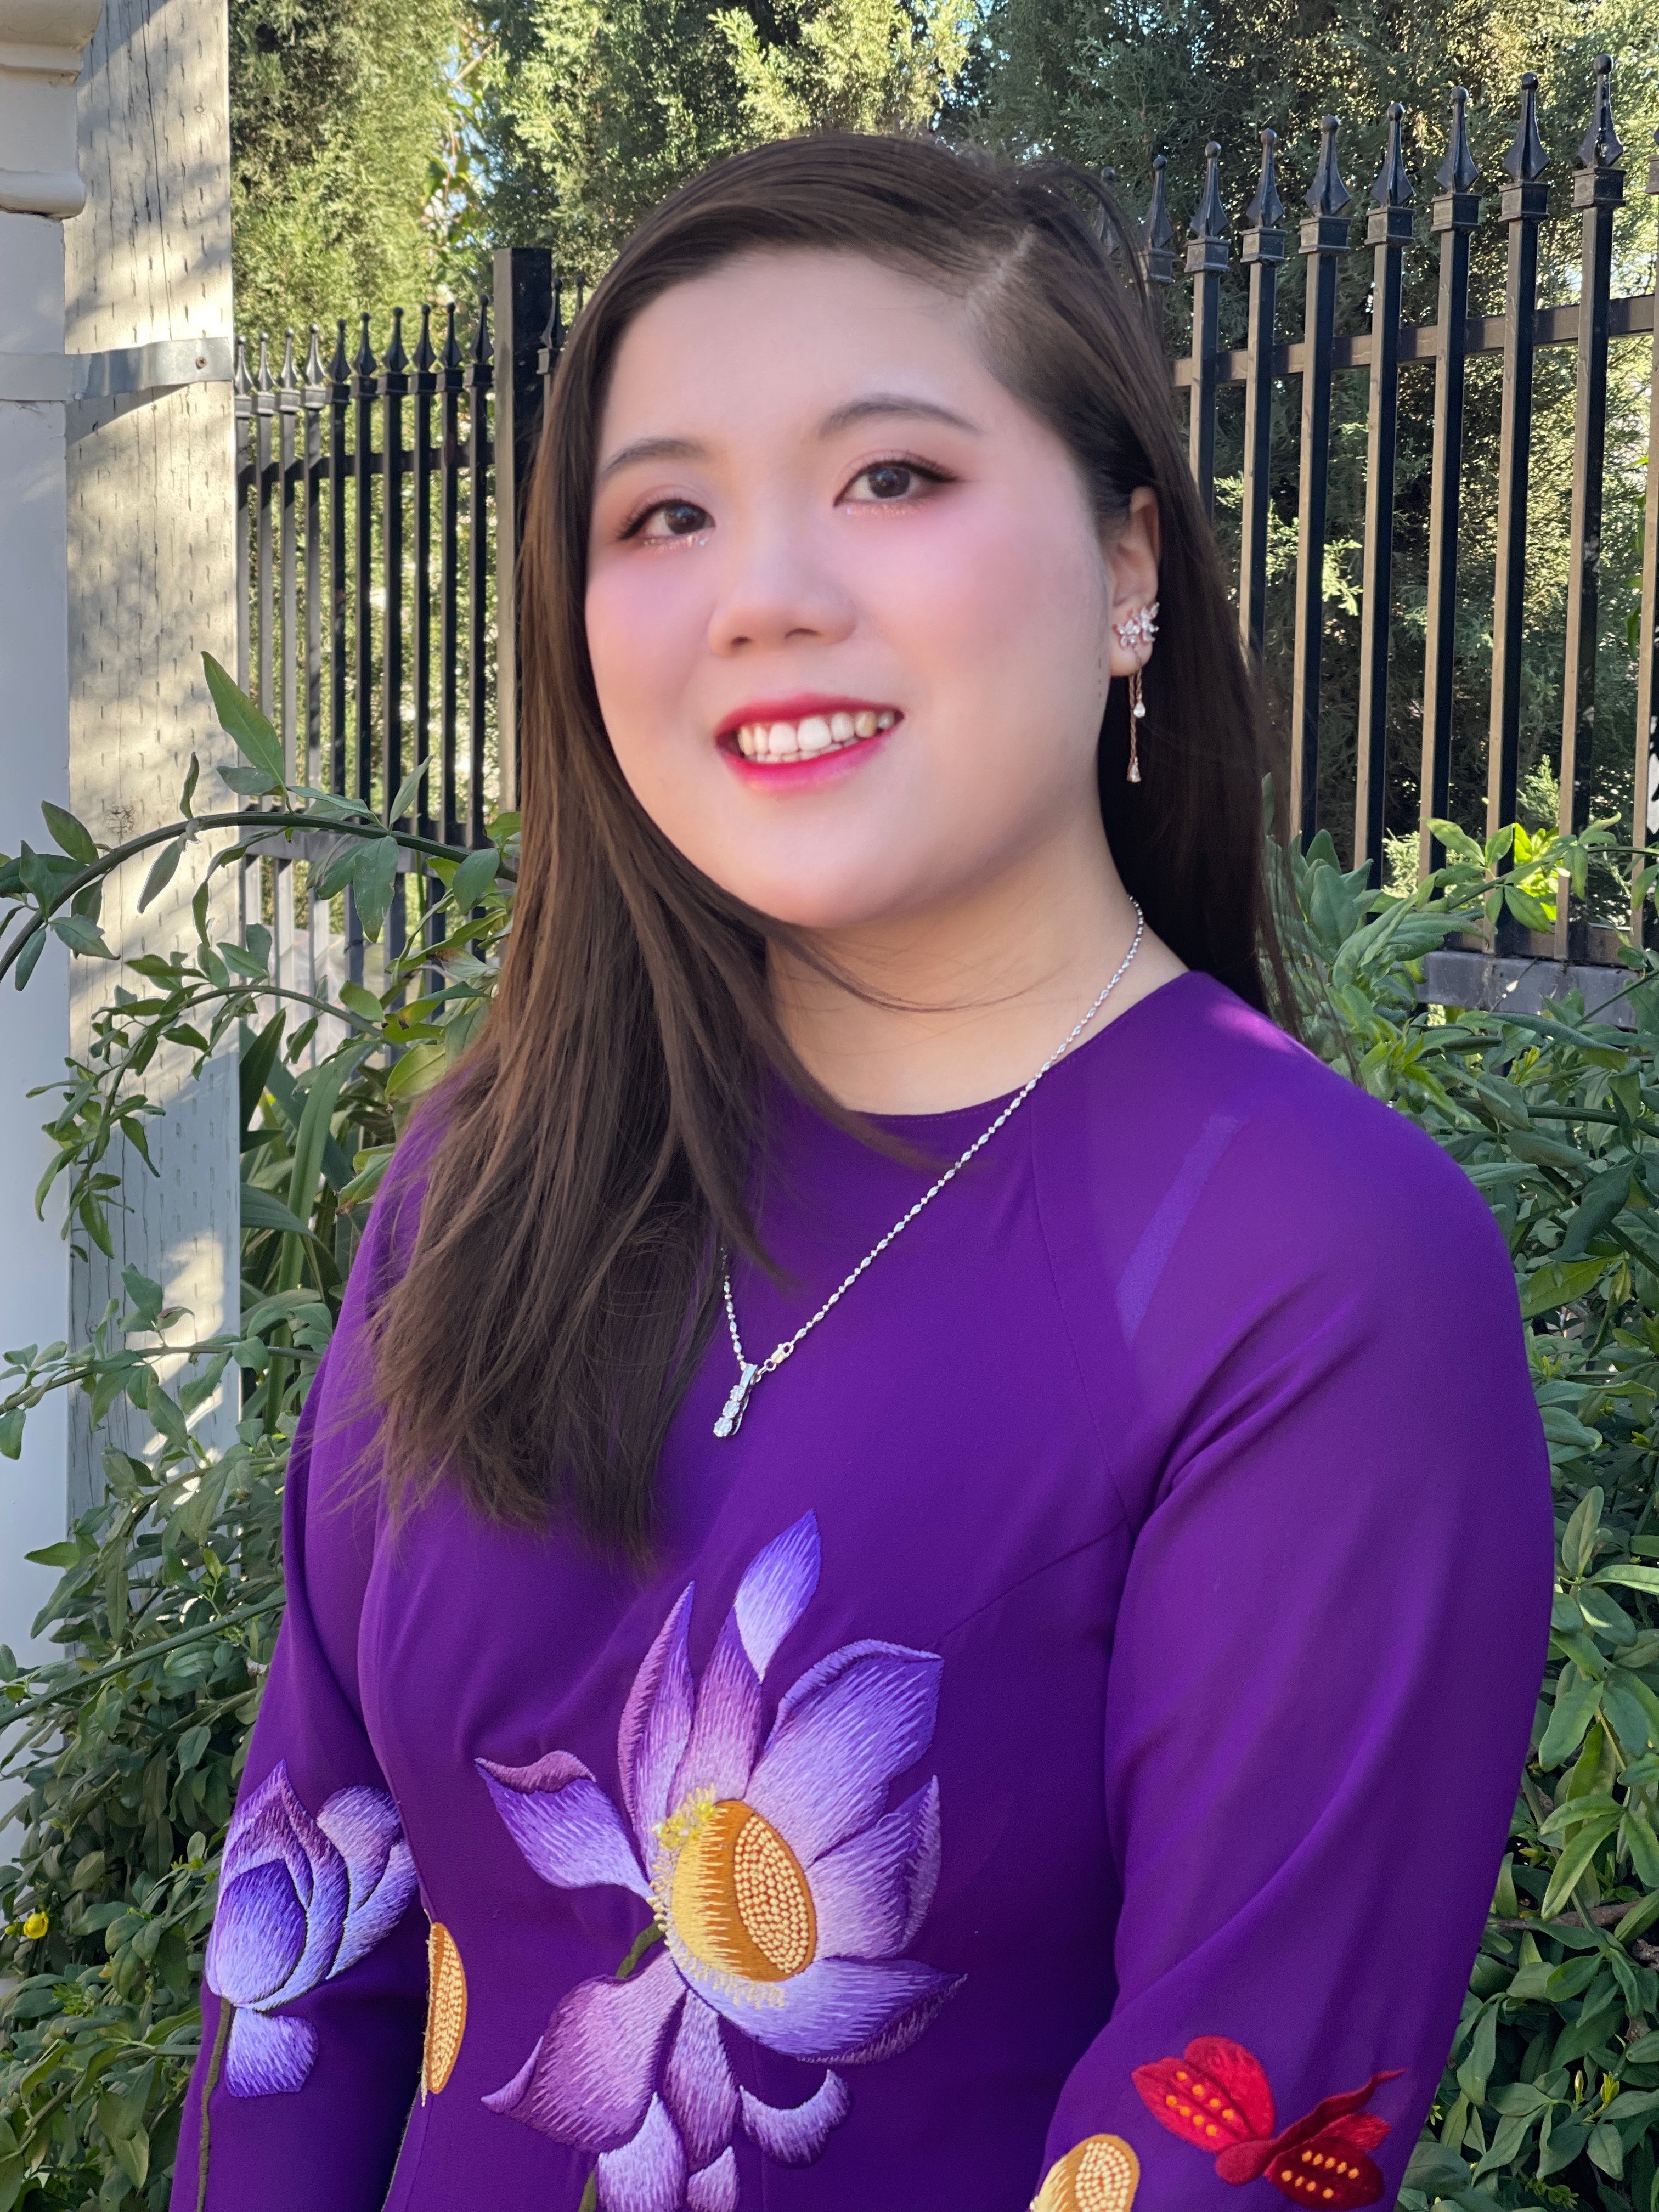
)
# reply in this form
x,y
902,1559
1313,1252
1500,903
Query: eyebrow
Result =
x,y
839,419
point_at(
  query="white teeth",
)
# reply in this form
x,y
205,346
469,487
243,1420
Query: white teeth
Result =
x,y
812,735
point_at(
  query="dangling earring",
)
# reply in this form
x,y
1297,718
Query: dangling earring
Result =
x,y
1139,629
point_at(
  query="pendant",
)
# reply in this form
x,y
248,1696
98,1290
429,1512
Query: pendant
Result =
x,y
732,1411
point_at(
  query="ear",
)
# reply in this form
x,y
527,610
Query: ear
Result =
x,y
1130,557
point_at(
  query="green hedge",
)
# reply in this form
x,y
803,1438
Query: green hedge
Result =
x,y
126,1750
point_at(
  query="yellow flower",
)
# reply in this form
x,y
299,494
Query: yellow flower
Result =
x,y
36,1926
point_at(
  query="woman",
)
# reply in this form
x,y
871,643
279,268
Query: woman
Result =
x,y
927,1545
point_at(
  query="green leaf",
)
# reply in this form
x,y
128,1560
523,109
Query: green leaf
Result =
x,y
66,1554
254,737
406,791
161,873
1570,1867
373,878
144,1296
1605,2150
74,837
1631,1577
82,936
1578,1539
251,782
29,958
364,1004
474,877
1643,1846
333,872
1594,2025
11,1433
1577,1700
1557,1284
263,1209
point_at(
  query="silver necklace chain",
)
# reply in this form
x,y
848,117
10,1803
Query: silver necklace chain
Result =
x,y
751,1372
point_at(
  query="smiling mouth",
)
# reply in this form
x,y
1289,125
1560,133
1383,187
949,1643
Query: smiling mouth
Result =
x,y
812,735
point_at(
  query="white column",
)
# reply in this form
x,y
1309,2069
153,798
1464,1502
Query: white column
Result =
x,y
151,489
41,48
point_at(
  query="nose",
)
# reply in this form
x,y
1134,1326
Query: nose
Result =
x,y
776,589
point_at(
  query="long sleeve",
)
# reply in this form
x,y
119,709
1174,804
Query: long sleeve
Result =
x,y
315,1969
1324,1670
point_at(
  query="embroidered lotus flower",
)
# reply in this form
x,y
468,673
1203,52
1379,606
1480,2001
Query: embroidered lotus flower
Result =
x,y
783,1889
300,1901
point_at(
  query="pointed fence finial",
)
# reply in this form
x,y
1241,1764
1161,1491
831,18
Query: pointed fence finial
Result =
x,y
1267,210
340,368
1602,147
261,382
288,377
240,383
1210,220
314,356
1458,173
1160,231
1327,195
483,352
1393,188
451,355
397,361
425,360
1527,160
365,363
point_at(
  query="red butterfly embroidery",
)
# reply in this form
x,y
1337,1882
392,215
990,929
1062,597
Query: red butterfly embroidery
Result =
x,y
1216,2096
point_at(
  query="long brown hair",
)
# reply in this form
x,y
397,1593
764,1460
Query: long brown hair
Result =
x,y
596,1149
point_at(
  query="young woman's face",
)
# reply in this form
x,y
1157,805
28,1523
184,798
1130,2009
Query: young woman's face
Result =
x,y
849,609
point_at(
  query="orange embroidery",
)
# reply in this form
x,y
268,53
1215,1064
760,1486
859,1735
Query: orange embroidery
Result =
x,y
1216,2096
1101,2175
446,2009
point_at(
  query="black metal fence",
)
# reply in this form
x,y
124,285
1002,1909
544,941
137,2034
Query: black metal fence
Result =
x,y
379,500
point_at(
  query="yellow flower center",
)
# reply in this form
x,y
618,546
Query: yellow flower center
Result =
x,y
738,1900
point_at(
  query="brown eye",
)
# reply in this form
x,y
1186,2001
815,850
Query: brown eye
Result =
x,y
675,518
890,480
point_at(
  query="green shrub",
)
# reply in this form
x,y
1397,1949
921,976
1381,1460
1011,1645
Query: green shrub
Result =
x,y
127,1748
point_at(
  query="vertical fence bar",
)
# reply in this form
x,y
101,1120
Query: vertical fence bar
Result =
x,y
287,424
339,559
1598,189
524,309
451,379
1324,235
313,399
479,447
1206,263
1644,811
1389,233
363,470
264,410
1522,206
424,384
1457,212
394,389
1262,252
242,420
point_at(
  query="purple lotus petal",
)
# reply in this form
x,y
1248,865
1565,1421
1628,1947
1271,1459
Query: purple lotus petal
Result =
x,y
725,1730
776,1588
564,1823
271,1826
835,2008
656,1723
381,1910
362,1824
846,1728
258,1935
900,2033
592,2075
700,2095
267,2057
872,1891
716,2189
795,2135
648,2174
